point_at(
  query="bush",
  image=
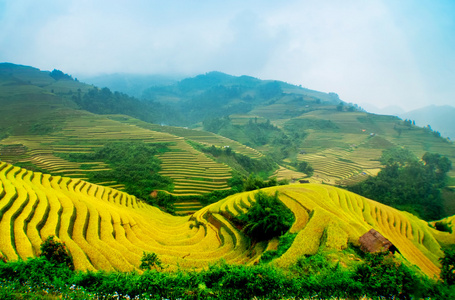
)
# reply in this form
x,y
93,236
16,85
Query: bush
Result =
x,y
441,226
384,276
304,167
56,252
448,267
267,218
150,260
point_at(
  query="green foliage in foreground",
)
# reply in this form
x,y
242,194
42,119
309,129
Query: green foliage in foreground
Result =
x,y
56,252
150,260
448,266
313,277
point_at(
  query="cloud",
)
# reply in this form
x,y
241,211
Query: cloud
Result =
x,y
380,51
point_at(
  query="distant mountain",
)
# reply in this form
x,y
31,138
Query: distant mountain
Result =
x,y
216,94
440,118
392,110
130,84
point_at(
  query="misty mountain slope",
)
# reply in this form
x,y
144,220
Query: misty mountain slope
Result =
x,y
440,118
287,122
130,84
216,94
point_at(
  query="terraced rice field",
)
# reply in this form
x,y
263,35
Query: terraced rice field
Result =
x,y
104,228
203,137
107,229
193,173
286,174
336,165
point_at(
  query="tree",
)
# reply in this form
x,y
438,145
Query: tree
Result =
x,y
267,218
150,260
437,163
398,155
385,277
56,252
59,75
305,167
448,267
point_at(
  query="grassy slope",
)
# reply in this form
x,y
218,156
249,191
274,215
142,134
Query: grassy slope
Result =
x,y
39,120
107,229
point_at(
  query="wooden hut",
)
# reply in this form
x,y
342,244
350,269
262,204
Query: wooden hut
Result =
x,y
373,242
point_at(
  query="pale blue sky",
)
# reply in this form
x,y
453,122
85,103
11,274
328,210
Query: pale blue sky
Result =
x,y
381,52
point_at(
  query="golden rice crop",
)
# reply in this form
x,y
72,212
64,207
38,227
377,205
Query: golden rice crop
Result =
x,y
53,219
335,237
23,245
16,235
112,229
308,240
65,231
14,200
107,236
79,233
299,211
93,238
38,219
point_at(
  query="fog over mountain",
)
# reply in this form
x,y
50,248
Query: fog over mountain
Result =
x,y
382,52
440,118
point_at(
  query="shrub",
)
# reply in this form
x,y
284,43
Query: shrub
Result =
x,y
267,218
441,226
384,276
448,267
56,252
150,260
304,167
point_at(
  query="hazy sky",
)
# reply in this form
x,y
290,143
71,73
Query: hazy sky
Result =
x,y
382,52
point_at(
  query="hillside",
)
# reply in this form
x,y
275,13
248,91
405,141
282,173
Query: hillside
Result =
x,y
342,143
130,84
50,121
42,128
440,118
107,229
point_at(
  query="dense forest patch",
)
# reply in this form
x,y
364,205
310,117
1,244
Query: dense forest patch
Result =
x,y
408,183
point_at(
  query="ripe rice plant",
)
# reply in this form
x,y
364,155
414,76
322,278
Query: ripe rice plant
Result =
x,y
107,229
23,245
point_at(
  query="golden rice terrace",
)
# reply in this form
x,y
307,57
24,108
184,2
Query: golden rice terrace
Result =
x,y
107,229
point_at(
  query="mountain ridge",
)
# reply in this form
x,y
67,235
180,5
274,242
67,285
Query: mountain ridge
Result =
x,y
440,118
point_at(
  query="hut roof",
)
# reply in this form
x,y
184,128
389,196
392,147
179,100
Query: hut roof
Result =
x,y
373,241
